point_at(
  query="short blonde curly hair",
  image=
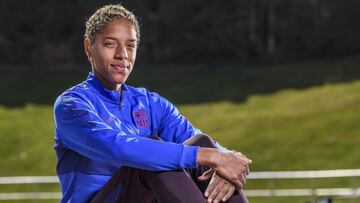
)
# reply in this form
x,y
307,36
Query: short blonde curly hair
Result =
x,y
104,15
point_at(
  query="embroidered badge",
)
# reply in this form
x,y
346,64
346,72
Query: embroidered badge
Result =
x,y
141,118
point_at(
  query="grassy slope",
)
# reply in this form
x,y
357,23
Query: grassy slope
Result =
x,y
312,127
316,128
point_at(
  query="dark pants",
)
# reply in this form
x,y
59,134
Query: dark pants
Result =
x,y
179,186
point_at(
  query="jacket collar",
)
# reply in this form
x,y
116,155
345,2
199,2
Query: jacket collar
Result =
x,y
112,95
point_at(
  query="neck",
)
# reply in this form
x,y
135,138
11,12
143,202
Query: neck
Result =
x,y
107,84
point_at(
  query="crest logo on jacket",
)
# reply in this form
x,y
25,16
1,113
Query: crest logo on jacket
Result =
x,y
141,118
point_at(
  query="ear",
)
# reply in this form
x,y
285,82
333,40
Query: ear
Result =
x,y
87,48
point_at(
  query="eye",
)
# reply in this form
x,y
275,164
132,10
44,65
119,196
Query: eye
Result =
x,y
131,46
109,44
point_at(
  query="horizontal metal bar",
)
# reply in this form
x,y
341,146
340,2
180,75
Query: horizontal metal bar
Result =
x,y
349,192
353,192
28,180
30,195
253,175
304,174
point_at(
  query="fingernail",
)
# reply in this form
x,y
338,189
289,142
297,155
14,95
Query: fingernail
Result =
x,y
224,199
215,201
206,194
209,200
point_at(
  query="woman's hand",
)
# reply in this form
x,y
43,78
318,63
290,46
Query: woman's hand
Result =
x,y
229,165
218,189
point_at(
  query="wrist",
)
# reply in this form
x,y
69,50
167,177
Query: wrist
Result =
x,y
208,157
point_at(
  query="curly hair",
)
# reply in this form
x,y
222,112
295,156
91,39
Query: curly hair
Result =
x,y
98,21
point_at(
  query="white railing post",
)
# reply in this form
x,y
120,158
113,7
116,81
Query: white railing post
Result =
x,y
353,183
271,186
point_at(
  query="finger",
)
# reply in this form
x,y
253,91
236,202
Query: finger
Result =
x,y
243,179
247,170
215,192
206,175
238,183
221,193
213,183
236,152
249,161
243,156
243,159
228,194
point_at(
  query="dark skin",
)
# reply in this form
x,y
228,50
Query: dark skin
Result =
x,y
219,189
112,56
113,53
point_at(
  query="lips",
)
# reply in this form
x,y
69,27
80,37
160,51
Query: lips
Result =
x,y
119,67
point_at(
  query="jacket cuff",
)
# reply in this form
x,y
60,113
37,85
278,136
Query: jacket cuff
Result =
x,y
188,156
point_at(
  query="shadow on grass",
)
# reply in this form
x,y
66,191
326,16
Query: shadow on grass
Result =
x,y
184,84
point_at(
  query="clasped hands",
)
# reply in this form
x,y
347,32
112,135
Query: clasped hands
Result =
x,y
229,175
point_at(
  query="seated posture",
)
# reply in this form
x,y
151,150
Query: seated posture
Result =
x,y
117,143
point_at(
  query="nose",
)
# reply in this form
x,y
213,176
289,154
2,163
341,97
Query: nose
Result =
x,y
121,53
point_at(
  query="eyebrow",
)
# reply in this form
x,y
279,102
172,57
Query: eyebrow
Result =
x,y
112,38
115,39
132,40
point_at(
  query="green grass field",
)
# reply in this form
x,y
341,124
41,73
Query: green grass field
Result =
x,y
302,116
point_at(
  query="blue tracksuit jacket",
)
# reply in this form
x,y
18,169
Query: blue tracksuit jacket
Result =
x,y
97,131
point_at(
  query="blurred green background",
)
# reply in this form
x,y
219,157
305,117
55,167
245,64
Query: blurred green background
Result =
x,y
298,116
287,94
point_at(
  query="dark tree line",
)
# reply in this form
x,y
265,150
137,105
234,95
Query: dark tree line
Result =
x,y
186,31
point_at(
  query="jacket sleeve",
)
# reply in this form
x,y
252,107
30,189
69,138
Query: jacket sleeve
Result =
x,y
82,130
173,126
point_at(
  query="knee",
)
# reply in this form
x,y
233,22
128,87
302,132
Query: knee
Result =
x,y
202,140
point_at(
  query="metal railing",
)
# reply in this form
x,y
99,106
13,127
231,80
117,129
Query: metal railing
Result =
x,y
353,192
